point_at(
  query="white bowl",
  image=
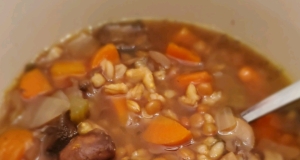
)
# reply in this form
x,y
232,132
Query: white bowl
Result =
x,y
270,26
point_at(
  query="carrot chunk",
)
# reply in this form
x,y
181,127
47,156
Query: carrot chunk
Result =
x,y
14,143
108,52
65,69
62,70
34,83
195,78
181,53
185,37
165,131
121,109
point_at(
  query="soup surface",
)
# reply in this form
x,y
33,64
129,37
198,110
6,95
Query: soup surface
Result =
x,y
146,90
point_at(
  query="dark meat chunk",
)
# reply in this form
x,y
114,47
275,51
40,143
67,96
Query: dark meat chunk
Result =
x,y
84,85
128,37
95,145
126,48
59,135
87,88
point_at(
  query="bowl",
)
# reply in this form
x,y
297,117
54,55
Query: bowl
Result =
x,y
26,27
269,26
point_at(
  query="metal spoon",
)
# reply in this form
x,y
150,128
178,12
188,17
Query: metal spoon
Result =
x,y
273,102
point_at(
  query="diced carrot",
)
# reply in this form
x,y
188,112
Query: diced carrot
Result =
x,y
108,52
250,76
14,143
121,109
63,69
34,83
185,37
166,131
195,78
181,53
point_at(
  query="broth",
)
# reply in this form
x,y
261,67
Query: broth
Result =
x,y
158,90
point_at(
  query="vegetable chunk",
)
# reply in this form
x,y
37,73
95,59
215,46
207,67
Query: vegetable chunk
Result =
x,y
121,109
63,70
165,131
14,143
108,52
79,109
67,68
34,83
181,53
195,78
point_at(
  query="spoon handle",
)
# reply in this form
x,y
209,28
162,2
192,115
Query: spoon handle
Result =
x,y
273,102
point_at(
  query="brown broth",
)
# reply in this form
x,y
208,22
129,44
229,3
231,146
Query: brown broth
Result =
x,y
222,58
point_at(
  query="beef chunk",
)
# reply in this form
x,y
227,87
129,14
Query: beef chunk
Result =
x,y
95,145
59,134
128,37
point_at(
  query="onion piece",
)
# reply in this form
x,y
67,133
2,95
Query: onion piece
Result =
x,y
73,91
44,110
225,119
61,95
50,109
160,58
82,45
286,151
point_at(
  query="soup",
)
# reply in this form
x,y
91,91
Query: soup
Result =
x,y
139,90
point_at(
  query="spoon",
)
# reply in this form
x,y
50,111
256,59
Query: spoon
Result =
x,y
273,102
